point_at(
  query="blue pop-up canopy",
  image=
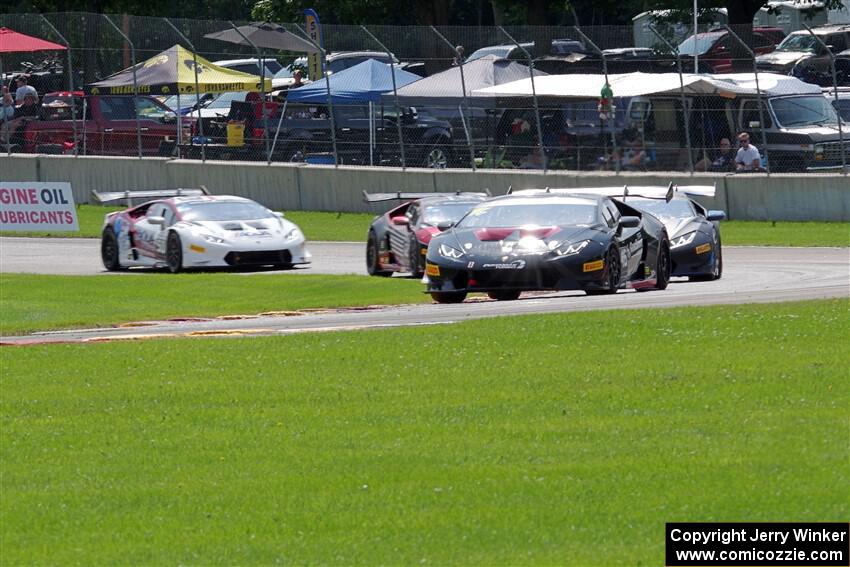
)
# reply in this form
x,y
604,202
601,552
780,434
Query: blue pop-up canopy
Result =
x,y
365,82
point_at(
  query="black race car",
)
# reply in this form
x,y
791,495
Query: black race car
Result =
x,y
399,238
541,240
695,248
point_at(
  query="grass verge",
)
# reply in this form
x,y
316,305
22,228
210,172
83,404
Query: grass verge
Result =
x,y
353,227
560,439
35,302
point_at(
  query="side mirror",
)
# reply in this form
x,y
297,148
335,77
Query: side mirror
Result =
x,y
629,222
443,226
157,220
278,214
400,220
716,215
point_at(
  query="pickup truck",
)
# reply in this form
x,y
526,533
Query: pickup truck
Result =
x,y
105,125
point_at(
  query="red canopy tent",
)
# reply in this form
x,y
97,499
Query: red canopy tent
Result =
x,y
16,42
12,42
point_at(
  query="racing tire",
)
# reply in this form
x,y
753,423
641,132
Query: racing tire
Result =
x,y
174,253
506,295
612,274
415,260
448,296
372,266
436,157
662,268
109,251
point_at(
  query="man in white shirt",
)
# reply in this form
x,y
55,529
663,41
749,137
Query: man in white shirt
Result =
x,y
24,89
748,157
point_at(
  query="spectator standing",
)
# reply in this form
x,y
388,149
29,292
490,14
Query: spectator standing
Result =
x,y
748,157
299,79
7,113
24,89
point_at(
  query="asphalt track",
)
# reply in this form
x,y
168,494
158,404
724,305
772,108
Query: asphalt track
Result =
x,y
751,275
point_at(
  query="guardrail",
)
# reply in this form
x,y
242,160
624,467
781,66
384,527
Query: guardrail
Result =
x,y
781,197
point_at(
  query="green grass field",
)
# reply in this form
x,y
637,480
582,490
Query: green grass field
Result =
x,y
563,439
36,302
353,227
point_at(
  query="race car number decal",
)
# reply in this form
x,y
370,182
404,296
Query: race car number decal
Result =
x,y
432,269
703,248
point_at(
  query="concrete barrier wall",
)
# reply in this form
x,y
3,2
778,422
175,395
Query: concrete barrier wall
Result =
x,y
326,188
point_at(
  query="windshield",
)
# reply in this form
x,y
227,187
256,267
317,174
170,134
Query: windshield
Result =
x,y
675,209
524,213
225,99
803,111
223,211
699,44
799,42
843,106
273,67
435,214
497,50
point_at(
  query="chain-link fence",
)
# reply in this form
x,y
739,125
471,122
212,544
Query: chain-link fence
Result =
x,y
553,98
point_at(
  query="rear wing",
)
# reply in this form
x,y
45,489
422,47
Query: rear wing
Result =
x,y
622,192
109,196
400,196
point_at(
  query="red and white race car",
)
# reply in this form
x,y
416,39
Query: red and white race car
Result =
x,y
191,229
398,239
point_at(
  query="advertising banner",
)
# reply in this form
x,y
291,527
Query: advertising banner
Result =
x,y
315,61
28,207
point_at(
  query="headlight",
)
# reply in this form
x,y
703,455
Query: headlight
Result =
x,y
683,240
293,233
213,239
571,249
447,251
819,150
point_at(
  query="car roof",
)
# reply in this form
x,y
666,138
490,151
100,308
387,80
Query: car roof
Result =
x,y
199,199
555,198
472,199
821,30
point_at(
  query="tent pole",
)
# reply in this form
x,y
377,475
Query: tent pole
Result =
x,y
460,63
70,80
262,90
328,88
135,85
395,94
197,97
279,122
371,136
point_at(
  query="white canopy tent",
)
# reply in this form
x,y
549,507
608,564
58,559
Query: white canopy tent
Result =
x,y
646,84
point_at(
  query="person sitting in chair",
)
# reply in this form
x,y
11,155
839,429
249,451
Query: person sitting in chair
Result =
x,y
723,160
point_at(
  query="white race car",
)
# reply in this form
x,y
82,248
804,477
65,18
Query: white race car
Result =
x,y
194,230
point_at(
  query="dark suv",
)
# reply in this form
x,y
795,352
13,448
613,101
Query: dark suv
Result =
x,y
717,47
803,56
305,129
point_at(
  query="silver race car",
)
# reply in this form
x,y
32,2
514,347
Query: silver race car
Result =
x,y
191,229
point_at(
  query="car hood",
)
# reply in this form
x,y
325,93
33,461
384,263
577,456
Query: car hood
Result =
x,y
678,226
247,228
517,241
782,57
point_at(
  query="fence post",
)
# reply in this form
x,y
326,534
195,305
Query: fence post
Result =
x,y
682,91
328,89
605,71
460,62
533,96
197,96
70,80
262,90
395,94
835,94
758,95
135,85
